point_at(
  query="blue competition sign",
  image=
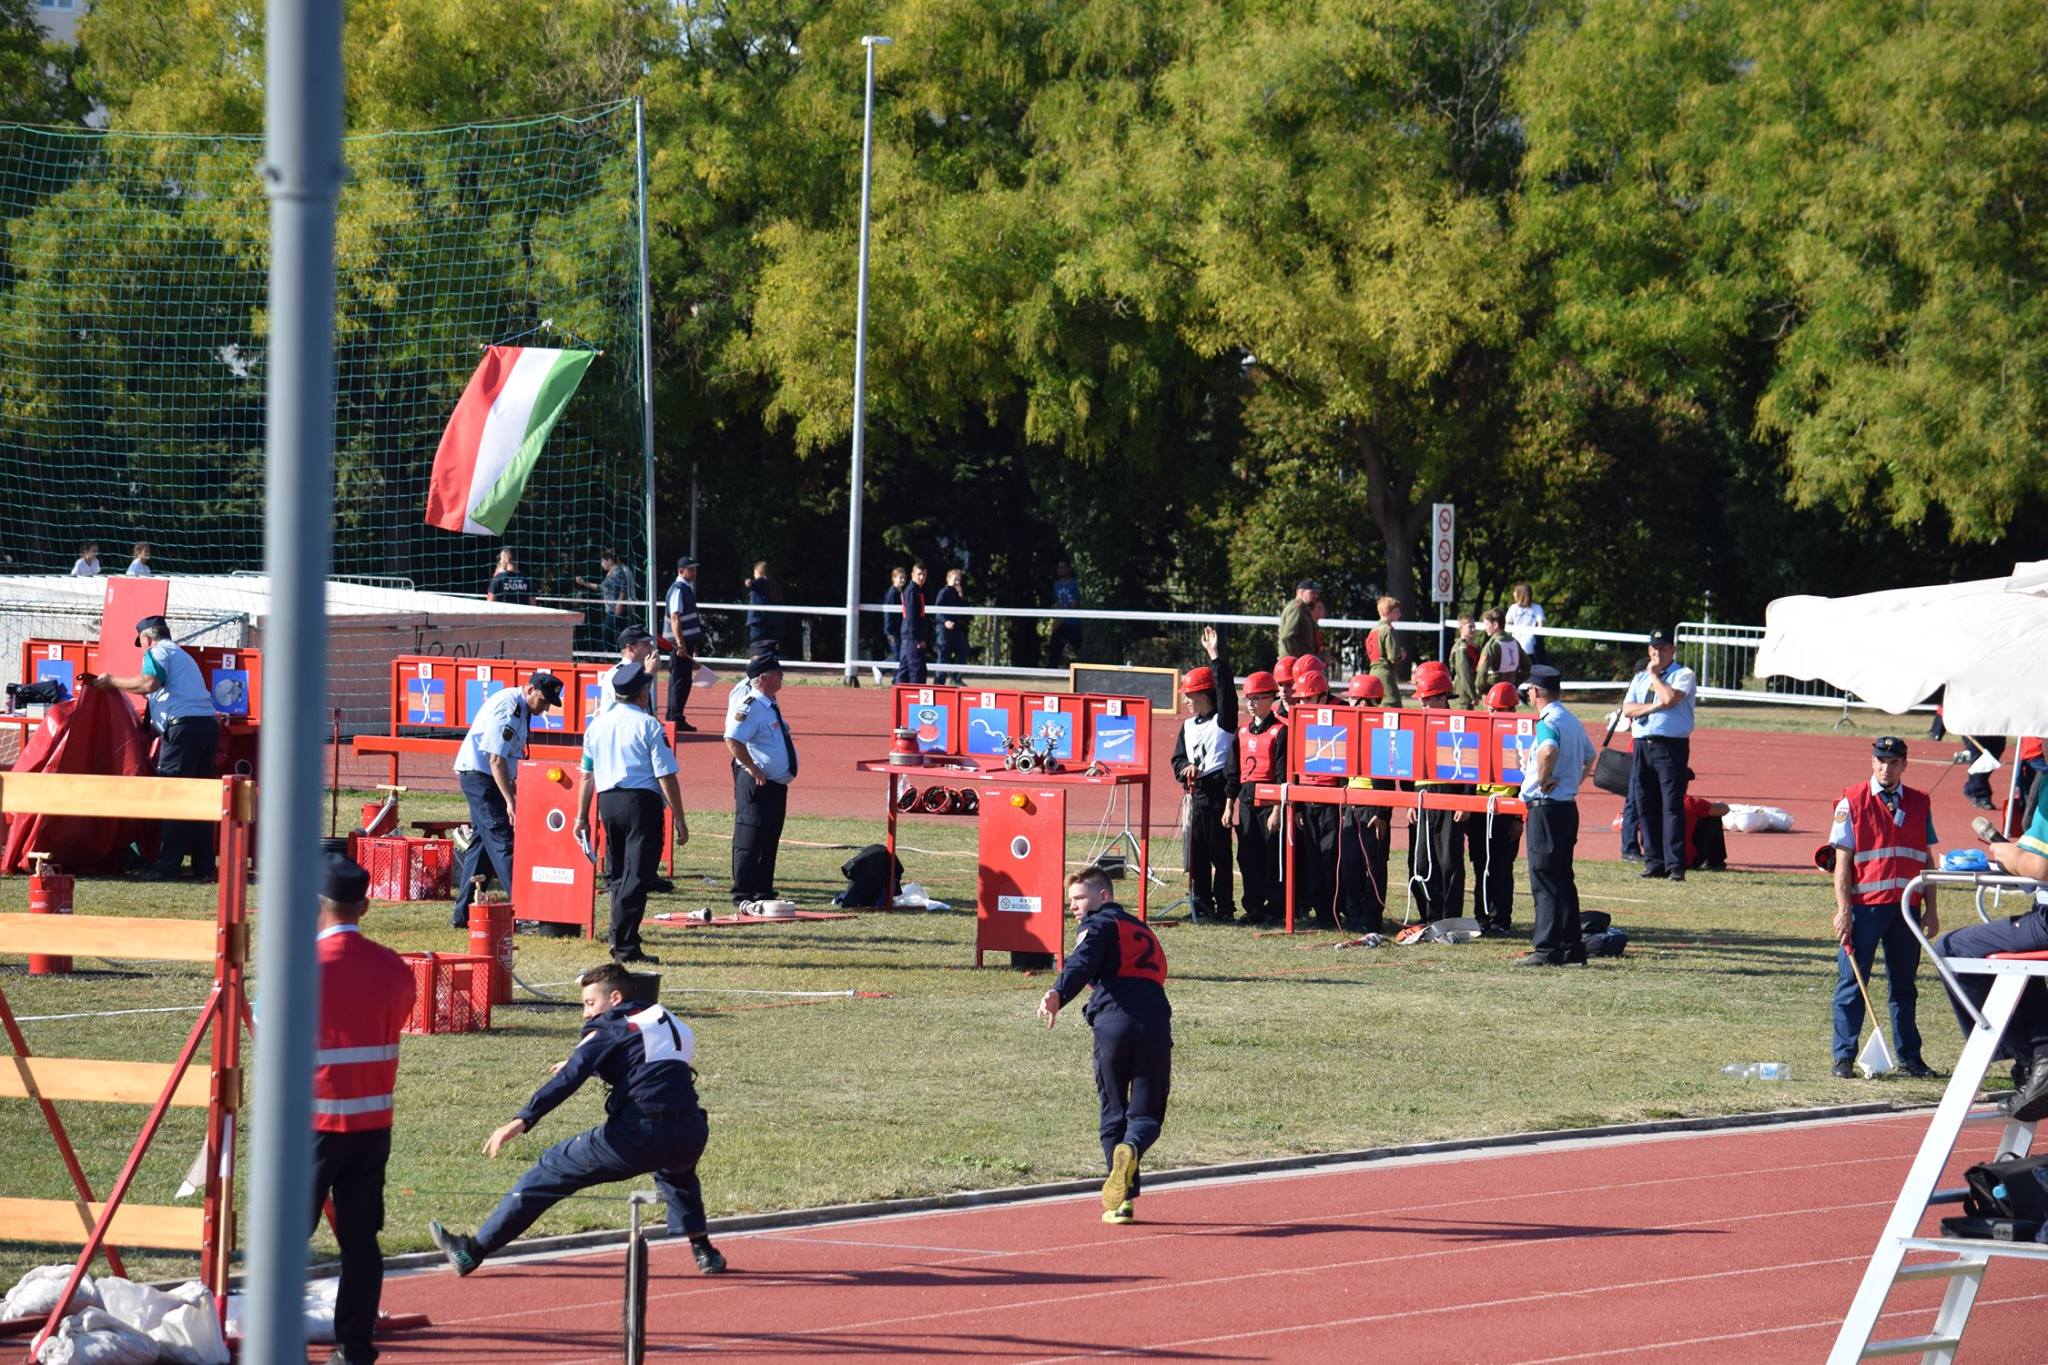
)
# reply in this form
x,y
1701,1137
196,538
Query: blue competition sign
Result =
x,y
1060,726
551,721
62,672
1323,750
1457,755
593,699
934,727
1116,739
988,730
231,691
1516,750
426,701
1393,754
476,692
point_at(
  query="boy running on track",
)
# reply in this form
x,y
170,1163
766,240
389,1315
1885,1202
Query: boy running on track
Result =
x,y
653,1125
1122,960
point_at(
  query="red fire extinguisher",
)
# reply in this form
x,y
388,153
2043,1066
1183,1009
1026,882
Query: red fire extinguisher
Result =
x,y
49,893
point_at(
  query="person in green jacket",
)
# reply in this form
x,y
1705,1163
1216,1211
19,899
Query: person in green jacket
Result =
x,y
1298,633
1383,652
1500,658
1465,667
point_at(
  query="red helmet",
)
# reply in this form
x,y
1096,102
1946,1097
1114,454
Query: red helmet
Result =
x,y
1432,679
1501,697
1261,685
1365,687
1310,682
1199,680
1283,669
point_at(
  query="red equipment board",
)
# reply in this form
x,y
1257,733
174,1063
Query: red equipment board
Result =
x,y
567,716
1407,744
1021,905
1114,732
552,879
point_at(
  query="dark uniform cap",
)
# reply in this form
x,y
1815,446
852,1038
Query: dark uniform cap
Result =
x,y
686,562
155,623
1308,585
344,881
1547,678
634,635
630,680
548,685
1891,746
763,663
1660,636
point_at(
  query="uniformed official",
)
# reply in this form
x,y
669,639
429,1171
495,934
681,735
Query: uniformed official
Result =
x,y
628,769
1436,850
1121,958
181,713
763,766
1261,757
914,630
685,638
653,1125
1494,841
366,995
1560,762
1204,762
637,649
487,766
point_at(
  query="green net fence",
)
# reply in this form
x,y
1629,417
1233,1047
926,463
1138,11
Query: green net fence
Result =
x,y
133,334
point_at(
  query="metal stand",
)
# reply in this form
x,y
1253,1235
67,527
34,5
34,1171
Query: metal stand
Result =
x,y
636,1278
1965,1259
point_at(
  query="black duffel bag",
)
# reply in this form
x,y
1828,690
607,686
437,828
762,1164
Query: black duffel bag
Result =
x,y
2005,1201
1612,766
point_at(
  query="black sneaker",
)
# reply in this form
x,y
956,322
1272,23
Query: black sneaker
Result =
x,y
1918,1069
460,1250
1845,1070
1648,873
635,958
709,1261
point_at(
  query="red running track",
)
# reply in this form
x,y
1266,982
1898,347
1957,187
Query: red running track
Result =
x,y
1740,1246
836,727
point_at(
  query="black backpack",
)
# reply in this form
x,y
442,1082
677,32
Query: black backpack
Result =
x,y
868,884
2005,1201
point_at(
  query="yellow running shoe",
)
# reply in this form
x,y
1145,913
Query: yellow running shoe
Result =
x,y
1123,1173
1122,1213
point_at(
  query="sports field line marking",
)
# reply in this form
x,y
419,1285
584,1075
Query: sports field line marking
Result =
x,y
1039,1305
1981,1305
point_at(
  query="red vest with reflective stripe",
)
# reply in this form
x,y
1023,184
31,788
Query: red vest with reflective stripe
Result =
x,y
1255,752
366,994
1889,853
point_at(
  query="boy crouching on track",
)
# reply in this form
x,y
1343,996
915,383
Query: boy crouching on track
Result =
x,y
653,1125
1133,1024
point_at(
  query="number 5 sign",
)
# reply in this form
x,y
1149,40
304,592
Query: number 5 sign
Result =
x,y
1442,575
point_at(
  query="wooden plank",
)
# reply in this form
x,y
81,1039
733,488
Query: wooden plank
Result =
x,y
391,746
109,1082
69,1222
140,798
117,936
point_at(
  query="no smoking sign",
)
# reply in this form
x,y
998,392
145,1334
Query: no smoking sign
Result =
x,y
1443,578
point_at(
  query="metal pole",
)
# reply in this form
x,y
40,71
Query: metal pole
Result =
x,y
695,502
302,176
860,371
646,355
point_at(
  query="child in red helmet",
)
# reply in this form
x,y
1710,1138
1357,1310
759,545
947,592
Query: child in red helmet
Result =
x,y
1436,838
1205,761
1495,841
1261,757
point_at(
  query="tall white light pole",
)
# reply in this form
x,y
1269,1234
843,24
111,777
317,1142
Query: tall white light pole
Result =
x,y
860,371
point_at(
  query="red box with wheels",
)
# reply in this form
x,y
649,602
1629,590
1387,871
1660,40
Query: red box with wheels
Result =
x,y
1022,901
552,880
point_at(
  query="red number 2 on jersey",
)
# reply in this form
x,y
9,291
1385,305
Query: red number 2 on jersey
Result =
x,y
1140,952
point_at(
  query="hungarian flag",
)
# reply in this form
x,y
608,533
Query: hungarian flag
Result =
x,y
512,403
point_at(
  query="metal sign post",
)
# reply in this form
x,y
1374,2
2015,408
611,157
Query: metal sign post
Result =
x,y
1443,575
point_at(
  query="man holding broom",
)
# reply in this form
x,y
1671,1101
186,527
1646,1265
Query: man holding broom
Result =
x,y
1882,833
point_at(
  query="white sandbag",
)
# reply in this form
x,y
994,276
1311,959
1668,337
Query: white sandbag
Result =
x,y
96,1337
320,1310
914,897
190,1333
1742,819
137,1305
35,1294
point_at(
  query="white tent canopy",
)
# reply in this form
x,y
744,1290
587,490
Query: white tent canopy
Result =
x,y
1986,641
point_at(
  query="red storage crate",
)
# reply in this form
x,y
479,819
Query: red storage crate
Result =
x,y
388,860
452,992
431,863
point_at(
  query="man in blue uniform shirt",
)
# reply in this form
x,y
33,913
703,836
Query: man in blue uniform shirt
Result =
x,y
628,769
487,767
1562,761
763,766
685,638
1659,711
1121,958
637,649
181,713
653,1125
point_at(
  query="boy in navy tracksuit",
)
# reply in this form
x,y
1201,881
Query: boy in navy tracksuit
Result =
x,y
653,1125
1122,960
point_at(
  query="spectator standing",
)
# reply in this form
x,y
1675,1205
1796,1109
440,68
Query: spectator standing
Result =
x,y
685,638
508,585
914,632
87,565
1525,623
1066,630
1298,632
1562,760
1383,652
761,592
616,590
952,627
892,615
1882,835
1659,711
138,566
366,995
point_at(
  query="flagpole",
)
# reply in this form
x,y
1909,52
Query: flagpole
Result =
x,y
646,354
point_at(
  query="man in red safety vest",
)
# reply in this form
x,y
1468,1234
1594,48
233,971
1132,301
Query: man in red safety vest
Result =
x,y
1261,757
1882,833
366,995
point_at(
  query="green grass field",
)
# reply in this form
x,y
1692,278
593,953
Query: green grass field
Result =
x,y
949,1083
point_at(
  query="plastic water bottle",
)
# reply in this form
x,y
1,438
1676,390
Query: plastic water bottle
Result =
x,y
1758,1071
